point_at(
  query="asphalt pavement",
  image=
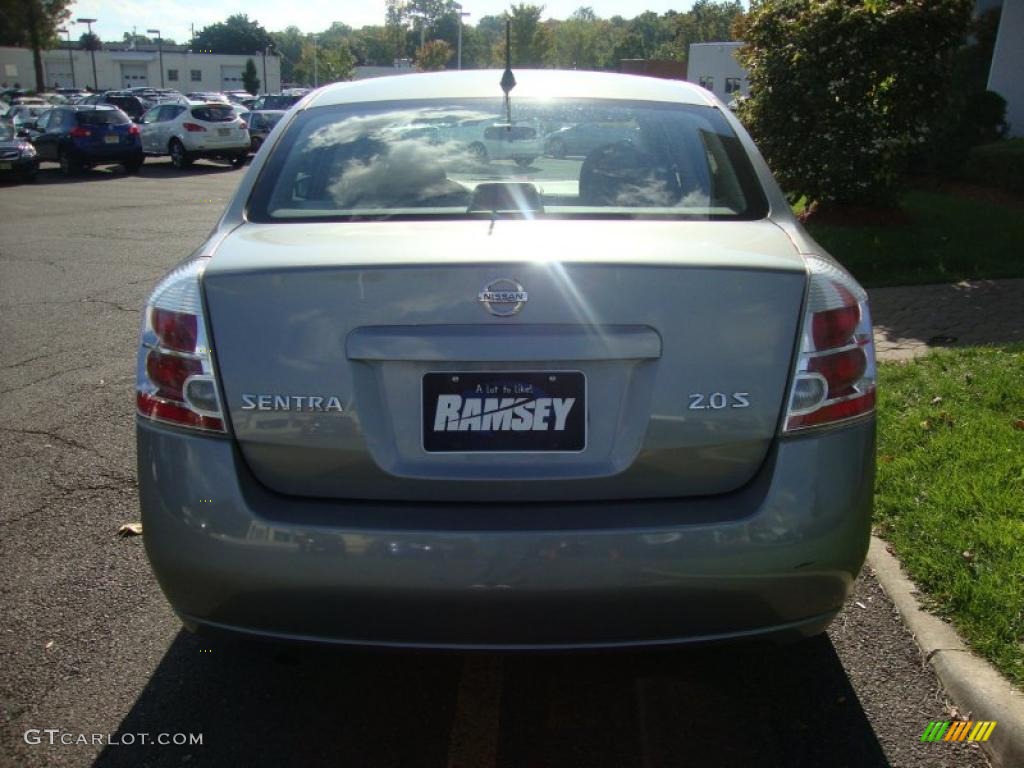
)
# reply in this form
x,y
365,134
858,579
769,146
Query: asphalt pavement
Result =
x,y
89,647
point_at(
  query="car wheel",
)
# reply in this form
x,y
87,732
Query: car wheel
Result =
x,y
179,157
68,165
556,148
239,160
478,151
524,162
133,165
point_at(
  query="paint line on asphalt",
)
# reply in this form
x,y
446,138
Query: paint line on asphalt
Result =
x,y
474,737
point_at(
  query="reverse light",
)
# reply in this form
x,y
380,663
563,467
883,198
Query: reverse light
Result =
x,y
174,377
834,379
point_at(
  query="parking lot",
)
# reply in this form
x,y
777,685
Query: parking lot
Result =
x,y
89,646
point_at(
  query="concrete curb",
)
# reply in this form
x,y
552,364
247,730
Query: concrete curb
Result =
x,y
973,684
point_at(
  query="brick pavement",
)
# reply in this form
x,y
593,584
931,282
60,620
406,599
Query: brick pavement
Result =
x,y
911,320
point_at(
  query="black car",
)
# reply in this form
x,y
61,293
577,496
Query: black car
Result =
x,y
261,123
128,103
18,157
275,101
84,135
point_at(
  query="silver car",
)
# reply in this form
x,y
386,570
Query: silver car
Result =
x,y
401,398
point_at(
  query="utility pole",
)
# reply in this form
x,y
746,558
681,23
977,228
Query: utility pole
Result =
x,y
265,91
316,71
71,55
462,14
92,50
160,48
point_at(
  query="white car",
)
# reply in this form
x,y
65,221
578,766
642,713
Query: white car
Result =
x,y
494,139
188,132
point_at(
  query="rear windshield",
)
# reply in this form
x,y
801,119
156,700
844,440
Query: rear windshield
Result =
x,y
103,117
466,159
214,113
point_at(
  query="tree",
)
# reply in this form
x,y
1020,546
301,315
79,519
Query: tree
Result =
x,y
842,90
530,40
237,34
250,79
33,24
434,55
90,41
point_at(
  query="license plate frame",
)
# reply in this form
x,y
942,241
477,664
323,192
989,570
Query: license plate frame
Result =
x,y
223,131
111,139
5,166
523,388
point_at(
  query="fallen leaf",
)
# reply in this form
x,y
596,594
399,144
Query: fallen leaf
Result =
x,y
49,645
859,604
937,399
967,555
1018,424
926,425
885,459
130,529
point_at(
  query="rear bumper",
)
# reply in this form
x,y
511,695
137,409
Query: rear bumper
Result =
x,y
775,558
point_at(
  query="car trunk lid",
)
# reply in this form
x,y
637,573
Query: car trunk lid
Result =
x,y
347,351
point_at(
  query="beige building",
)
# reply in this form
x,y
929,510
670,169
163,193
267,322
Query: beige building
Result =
x,y
183,70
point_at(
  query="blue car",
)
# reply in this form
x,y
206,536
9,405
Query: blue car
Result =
x,y
82,136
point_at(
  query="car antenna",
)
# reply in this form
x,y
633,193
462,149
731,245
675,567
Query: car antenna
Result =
x,y
508,80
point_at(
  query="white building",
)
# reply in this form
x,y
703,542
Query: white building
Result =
x,y
183,70
714,66
1006,77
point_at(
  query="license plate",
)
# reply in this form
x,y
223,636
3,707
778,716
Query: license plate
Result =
x,y
5,166
223,131
111,139
504,412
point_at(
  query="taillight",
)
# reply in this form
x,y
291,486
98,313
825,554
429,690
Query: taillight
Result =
x,y
174,380
835,371
78,132
193,127
133,130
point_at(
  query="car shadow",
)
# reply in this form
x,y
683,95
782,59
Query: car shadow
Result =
x,y
732,705
268,704
265,704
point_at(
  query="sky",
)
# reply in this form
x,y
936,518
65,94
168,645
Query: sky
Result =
x,y
173,17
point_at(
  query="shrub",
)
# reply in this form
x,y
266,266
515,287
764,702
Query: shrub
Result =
x,y
843,90
1000,164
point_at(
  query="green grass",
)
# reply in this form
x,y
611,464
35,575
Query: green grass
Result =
x,y
950,489
950,238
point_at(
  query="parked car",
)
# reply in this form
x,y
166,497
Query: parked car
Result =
x,y
490,139
18,158
261,124
80,136
239,97
25,116
128,103
629,402
276,101
207,96
198,130
584,138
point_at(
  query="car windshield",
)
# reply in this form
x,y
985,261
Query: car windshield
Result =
x,y
464,159
214,113
103,117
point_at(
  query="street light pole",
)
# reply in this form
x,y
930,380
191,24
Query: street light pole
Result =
x,y
462,14
316,70
160,48
71,55
92,50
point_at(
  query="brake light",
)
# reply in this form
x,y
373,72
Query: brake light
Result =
x,y
193,127
78,132
835,372
133,130
174,377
